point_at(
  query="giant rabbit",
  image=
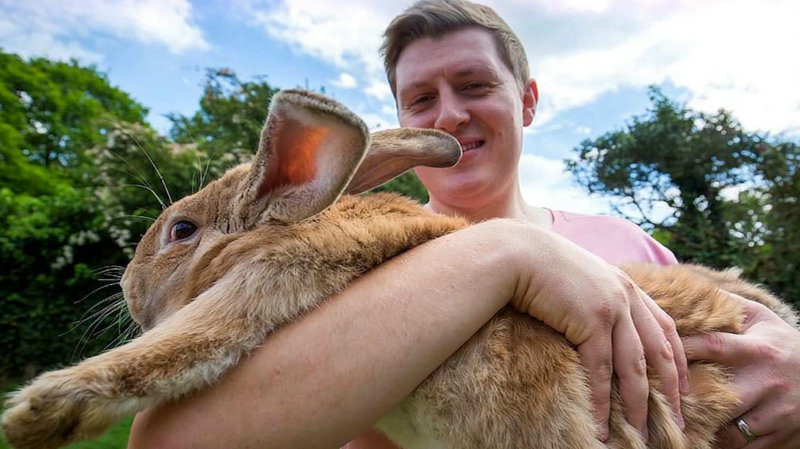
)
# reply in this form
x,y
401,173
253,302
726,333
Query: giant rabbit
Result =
x,y
220,270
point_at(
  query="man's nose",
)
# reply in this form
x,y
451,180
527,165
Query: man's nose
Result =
x,y
452,113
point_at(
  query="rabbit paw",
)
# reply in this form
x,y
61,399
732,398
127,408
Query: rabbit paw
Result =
x,y
57,408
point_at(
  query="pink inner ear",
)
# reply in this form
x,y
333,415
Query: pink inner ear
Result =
x,y
294,159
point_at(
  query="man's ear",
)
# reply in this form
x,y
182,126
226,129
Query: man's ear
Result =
x,y
530,98
310,147
395,151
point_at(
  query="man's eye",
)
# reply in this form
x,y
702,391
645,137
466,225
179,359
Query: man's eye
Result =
x,y
181,230
475,86
421,100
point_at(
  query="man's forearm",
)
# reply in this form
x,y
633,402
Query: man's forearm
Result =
x,y
319,381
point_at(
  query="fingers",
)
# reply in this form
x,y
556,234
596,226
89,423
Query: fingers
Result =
x,y
631,369
721,347
637,339
671,332
596,357
656,336
772,441
731,437
754,311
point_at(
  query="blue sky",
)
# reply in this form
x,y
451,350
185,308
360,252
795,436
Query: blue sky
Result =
x,y
593,59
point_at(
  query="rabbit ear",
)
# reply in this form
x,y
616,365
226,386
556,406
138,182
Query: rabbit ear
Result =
x,y
310,147
394,151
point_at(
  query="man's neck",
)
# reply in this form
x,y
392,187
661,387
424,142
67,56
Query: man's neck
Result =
x,y
510,205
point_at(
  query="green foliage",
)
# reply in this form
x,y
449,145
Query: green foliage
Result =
x,y
779,262
713,192
227,127
138,173
53,232
82,176
407,184
49,243
51,113
115,438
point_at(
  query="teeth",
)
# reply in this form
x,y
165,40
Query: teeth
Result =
x,y
471,146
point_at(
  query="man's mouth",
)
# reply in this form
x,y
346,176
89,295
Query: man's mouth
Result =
x,y
471,146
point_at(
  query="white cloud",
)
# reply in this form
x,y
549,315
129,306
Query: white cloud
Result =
x,y
345,81
379,89
735,54
544,183
345,34
377,122
575,6
55,28
18,38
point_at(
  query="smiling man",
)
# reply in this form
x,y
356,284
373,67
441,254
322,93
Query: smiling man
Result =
x,y
458,67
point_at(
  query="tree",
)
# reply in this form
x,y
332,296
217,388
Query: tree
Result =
x,y
699,182
53,231
51,113
227,127
778,263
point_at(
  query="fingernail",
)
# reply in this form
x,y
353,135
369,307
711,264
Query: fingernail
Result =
x,y
680,421
602,431
645,434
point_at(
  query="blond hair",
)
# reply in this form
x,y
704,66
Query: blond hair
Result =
x,y
433,18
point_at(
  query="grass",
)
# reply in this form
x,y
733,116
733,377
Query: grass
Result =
x,y
115,438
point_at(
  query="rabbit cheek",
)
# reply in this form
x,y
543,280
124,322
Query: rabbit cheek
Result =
x,y
169,296
134,289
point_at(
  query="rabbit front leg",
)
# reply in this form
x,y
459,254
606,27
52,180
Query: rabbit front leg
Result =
x,y
63,406
190,350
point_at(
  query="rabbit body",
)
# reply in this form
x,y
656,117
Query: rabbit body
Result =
x,y
517,383
267,246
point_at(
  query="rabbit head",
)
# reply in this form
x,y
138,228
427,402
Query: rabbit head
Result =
x,y
310,152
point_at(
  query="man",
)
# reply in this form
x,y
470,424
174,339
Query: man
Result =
x,y
457,67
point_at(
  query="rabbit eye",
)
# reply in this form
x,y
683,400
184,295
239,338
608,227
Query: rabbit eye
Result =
x,y
181,230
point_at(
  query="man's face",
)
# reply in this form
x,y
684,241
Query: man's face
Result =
x,y
459,84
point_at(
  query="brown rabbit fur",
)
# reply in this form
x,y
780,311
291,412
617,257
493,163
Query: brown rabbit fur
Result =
x,y
221,269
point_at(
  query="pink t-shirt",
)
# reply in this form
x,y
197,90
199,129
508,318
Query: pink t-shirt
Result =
x,y
613,239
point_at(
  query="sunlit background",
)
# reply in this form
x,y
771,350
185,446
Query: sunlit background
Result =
x,y
593,60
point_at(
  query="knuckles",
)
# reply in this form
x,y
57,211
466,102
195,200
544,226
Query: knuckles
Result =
x,y
770,354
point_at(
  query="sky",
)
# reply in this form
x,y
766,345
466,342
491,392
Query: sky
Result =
x,y
593,60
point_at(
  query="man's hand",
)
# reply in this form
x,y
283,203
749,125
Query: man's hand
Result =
x,y
765,360
617,328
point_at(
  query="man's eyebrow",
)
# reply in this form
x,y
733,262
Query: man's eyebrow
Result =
x,y
467,71
461,73
417,85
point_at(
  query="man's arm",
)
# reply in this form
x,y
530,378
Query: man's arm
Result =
x,y
327,377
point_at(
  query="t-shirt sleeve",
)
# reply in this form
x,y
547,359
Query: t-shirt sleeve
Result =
x,y
616,240
646,249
